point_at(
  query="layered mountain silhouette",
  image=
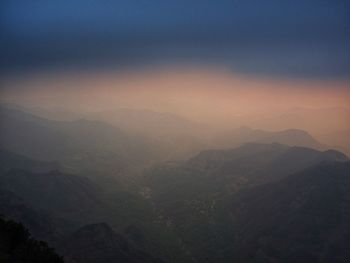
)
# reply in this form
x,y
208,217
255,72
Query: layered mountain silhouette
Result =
x,y
303,218
64,194
78,145
52,204
10,160
248,164
194,197
261,162
291,137
270,200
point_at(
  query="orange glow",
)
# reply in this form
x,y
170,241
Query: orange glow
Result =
x,y
202,93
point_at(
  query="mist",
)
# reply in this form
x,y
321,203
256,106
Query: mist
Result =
x,y
214,97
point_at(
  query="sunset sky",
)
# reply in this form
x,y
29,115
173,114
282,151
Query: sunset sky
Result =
x,y
201,59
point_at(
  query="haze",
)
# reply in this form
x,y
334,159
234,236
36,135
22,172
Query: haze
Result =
x,y
209,95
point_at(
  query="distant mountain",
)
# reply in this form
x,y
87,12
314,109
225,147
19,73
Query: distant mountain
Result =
x,y
78,145
291,137
261,162
303,218
218,172
136,121
9,160
330,125
53,113
174,136
150,122
99,243
340,139
16,245
315,120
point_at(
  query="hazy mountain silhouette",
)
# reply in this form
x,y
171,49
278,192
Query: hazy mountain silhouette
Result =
x,y
292,137
148,121
310,119
261,160
261,163
52,204
173,135
327,124
78,145
9,160
63,194
192,197
303,218
217,206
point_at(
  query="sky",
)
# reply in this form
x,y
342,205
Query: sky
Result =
x,y
287,39
206,60
200,93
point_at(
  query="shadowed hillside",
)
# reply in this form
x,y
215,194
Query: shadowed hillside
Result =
x,y
303,218
17,246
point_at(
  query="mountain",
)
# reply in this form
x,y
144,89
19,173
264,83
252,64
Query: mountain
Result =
x,y
291,137
141,134
175,136
9,160
16,245
302,218
311,119
261,162
330,125
80,145
44,187
41,224
63,194
148,121
99,243
53,203
192,197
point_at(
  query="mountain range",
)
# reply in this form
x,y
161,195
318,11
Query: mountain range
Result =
x,y
292,137
194,197
260,201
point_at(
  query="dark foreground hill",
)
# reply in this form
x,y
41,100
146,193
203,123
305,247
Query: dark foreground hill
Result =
x,y
99,243
17,246
53,204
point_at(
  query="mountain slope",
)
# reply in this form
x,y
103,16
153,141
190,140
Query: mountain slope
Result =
x,y
53,203
41,224
16,245
291,137
9,160
99,243
303,218
192,197
78,145
63,194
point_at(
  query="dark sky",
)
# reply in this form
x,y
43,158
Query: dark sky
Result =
x,y
299,38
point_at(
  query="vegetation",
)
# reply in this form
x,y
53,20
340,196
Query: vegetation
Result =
x,y
17,246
